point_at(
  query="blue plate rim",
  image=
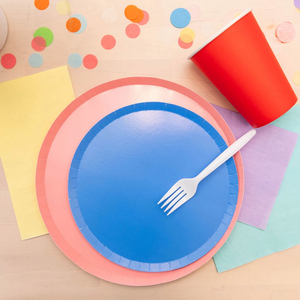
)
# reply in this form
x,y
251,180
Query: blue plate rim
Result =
x,y
136,265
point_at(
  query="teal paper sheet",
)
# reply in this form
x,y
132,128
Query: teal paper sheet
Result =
x,y
247,243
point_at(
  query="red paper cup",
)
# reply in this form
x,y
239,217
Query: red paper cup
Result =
x,y
240,63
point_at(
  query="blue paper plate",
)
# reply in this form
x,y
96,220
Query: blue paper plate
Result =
x,y
126,163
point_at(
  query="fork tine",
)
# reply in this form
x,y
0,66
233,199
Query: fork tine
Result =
x,y
172,197
178,204
169,193
174,202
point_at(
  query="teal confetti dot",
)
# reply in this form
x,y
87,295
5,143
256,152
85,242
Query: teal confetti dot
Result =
x,y
180,18
75,60
35,60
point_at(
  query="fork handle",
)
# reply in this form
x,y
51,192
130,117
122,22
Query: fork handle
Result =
x,y
226,154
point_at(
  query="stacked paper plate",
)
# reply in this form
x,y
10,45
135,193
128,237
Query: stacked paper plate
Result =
x,y
108,159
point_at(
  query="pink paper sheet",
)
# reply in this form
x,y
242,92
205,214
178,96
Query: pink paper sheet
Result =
x,y
265,161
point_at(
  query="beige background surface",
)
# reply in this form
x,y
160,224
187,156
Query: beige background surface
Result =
x,y
36,269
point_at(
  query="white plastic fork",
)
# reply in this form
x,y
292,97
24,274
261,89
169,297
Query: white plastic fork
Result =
x,y
184,189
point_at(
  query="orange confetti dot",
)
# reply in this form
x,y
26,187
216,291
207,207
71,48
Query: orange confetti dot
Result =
x,y
41,4
131,12
73,25
139,18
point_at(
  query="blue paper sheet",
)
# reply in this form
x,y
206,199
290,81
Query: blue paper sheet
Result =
x,y
247,243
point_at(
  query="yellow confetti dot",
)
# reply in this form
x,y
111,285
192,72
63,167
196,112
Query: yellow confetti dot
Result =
x,y
186,38
296,78
63,7
187,35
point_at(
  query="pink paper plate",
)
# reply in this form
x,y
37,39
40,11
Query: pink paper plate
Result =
x,y
58,150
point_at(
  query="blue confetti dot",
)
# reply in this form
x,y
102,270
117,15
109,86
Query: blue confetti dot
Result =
x,y
180,18
75,60
35,60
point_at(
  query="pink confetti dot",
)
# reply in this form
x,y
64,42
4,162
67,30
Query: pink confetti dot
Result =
x,y
285,32
8,61
184,45
145,18
195,11
132,31
90,61
108,42
38,43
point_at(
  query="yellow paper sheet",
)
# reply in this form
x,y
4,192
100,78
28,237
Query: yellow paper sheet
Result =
x,y
28,107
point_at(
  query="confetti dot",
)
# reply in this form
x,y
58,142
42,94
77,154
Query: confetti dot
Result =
x,y
285,32
132,31
35,60
180,18
108,42
38,43
186,38
46,33
145,18
184,45
297,3
109,16
90,61
195,11
296,78
75,60
83,22
63,7
139,18
187,35
73,25
8,61
41,4
131,12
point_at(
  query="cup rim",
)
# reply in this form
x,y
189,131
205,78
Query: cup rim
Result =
x,y
241,15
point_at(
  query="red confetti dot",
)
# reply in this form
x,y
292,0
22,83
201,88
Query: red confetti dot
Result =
x,y
38,43
90,61
145,19
108,42
132,31
8,61
184,45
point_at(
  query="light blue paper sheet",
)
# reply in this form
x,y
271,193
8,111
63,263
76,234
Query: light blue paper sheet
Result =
x,y
247,243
